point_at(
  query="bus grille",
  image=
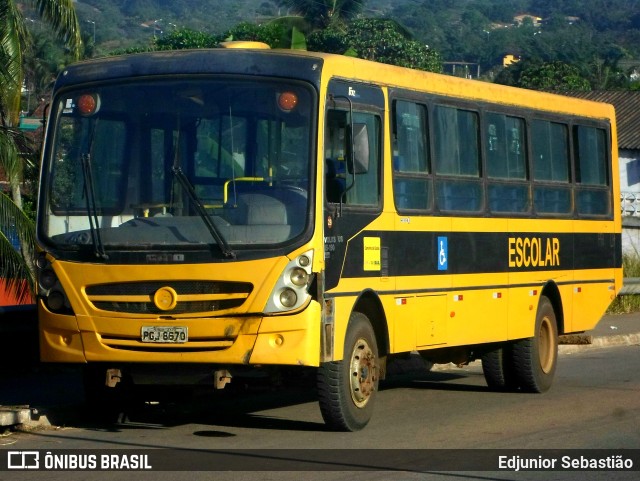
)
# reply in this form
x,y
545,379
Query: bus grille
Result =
x,y
193,296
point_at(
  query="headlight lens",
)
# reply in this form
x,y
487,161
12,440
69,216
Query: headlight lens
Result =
x,y
55,300
299,277
48,279
288,298
304,260
41,261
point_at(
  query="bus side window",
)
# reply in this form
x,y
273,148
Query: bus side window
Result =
x,y
412,183
363,187
457,159
507,188
365,191
550,147
593,196
335,149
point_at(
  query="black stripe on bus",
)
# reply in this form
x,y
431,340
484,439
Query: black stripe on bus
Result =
x,y
421,253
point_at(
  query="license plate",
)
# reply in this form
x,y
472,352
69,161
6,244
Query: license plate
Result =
x,y
166,334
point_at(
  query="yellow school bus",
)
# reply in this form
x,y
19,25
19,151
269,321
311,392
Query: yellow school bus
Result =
x,y
203,212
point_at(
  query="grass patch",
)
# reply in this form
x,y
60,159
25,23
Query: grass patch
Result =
x,y
629,303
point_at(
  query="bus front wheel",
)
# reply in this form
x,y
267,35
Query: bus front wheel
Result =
x,y
535,358
347,389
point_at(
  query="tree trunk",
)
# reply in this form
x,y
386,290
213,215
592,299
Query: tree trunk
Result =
x,y
16,194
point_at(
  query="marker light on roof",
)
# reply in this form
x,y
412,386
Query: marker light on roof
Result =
x,y
287,101
88,104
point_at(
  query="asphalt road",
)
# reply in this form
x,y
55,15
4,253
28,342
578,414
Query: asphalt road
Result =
x,y
594,404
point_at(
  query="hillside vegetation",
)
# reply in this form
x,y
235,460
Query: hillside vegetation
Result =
x,y
479,31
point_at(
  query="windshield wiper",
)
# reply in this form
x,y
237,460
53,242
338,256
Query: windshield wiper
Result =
x,y
202,212
92,210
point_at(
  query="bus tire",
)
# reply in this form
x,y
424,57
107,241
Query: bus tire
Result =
x,y
347,389
535,358
498,370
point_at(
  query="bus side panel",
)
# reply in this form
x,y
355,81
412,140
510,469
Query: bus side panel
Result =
x,y
568,308
522,303
477,304
418,321
594,287
590,301
420,316
477,315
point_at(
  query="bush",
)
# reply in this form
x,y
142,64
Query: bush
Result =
x,y
631,302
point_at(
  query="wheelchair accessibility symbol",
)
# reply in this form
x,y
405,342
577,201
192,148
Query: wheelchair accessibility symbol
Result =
x,y
443,254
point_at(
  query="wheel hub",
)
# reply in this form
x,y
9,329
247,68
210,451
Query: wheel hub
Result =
x,y
364,373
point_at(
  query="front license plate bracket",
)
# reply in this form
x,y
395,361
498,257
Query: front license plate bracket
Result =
x,y
164,334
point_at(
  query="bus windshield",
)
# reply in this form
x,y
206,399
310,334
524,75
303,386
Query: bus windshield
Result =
x,y
195,163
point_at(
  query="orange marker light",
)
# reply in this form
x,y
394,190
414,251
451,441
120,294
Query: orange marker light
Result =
x,y
88,104
287,101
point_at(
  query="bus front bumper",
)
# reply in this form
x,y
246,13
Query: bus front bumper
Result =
x,y
278,340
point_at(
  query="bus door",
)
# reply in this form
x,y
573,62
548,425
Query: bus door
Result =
x,y
352,173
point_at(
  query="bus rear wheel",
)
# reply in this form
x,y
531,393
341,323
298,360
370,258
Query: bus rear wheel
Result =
x,y
535,358
498,369
347,389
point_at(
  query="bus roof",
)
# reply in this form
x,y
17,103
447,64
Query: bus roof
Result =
x,y
273,63
310,66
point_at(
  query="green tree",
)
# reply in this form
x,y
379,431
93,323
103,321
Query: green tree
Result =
x,y
606,74
14,42
381,40
556,76
275,34
43,59
279,33
322,14
186,38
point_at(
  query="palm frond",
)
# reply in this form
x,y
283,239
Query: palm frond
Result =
x,y
61,15
17,153
323,13
292,22
14,267
4,71
13,37
348,9
9,159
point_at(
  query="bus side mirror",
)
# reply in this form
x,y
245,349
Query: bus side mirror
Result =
x,y
359,162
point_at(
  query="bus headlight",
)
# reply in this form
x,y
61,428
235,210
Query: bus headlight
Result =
x,y
299,277
290,292
304,260
49,288
55,301
288,297
48,279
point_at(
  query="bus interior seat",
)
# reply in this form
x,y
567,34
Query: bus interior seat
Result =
x,y
252,209
268,206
